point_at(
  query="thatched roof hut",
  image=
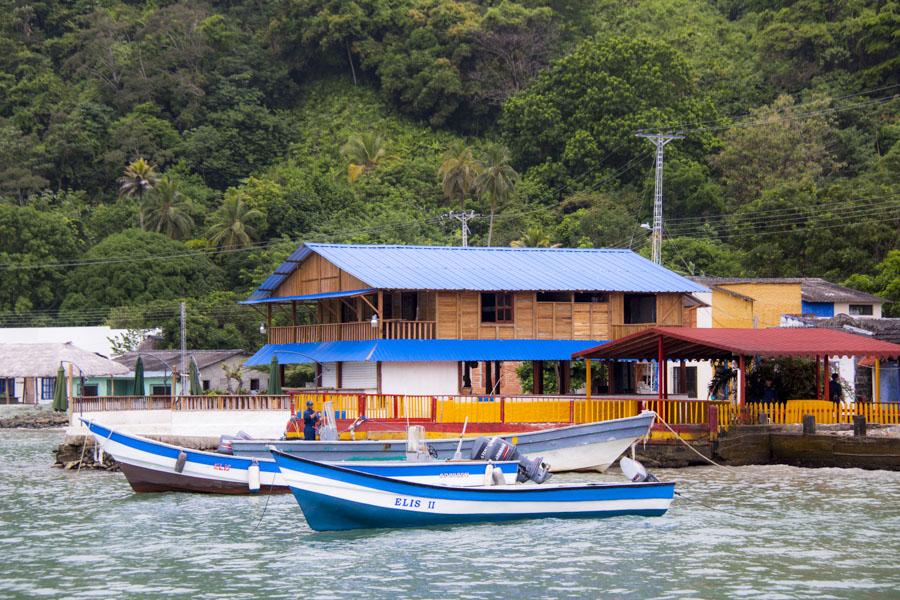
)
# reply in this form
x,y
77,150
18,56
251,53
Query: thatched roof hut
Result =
x,y
43,360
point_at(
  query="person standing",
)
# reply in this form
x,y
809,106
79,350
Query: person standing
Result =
x,y
310,421
835,391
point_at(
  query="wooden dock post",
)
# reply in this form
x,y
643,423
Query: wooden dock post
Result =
x,y
859,425
809,424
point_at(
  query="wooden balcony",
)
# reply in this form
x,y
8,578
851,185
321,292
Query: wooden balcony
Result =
x,y
389,329
620,331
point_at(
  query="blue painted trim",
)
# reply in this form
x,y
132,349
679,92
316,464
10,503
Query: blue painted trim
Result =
x,y
309,297
327,513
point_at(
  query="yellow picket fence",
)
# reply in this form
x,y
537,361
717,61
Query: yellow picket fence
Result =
x,y
588,411
824,411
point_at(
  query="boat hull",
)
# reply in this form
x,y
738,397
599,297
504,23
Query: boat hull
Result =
x,y
333,498
150,466
589,446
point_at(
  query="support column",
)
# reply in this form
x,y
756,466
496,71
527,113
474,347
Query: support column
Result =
x,y
486,371
682,379
565,377
660,359
587,379
537,377
742,372
826,375
338,375
818,382
611,377
876,392
378,377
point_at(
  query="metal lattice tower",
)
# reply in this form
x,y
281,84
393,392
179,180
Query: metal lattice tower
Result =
x,y
463,216
659,140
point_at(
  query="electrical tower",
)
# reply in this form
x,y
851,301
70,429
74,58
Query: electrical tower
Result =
x,y
659,140
463,216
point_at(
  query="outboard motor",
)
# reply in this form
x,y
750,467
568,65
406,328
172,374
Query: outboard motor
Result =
x,y
498,449
635,471
224,446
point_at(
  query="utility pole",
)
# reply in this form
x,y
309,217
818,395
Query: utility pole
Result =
x,y
183,348
463,216
659,140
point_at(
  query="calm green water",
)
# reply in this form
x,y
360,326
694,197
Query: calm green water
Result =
x,y
787,533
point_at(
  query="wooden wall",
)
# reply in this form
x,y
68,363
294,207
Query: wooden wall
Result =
x,y
459,316
315,275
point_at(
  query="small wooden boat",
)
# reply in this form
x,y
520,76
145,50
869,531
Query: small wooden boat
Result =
x,y
336,498
152,466
593,446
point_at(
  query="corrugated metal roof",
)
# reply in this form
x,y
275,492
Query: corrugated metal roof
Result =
x,y
812,289
420,351
689,343
309,297
490,269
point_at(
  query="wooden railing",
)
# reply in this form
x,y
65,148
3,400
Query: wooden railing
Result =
x,y
393,329
232,402
82,404
620,331
398,329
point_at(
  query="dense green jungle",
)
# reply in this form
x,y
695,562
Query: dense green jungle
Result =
x,y
154,152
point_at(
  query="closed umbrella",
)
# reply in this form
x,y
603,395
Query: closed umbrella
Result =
x,y
196,388
60,399
138,388
274,376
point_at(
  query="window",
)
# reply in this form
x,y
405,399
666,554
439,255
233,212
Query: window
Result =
x,y
48,386
205,385
161,390
554,297
90,390
7,386
863,310
409,306
496,308
254,385
590,297
640,308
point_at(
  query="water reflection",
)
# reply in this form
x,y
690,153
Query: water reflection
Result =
x,y
774,532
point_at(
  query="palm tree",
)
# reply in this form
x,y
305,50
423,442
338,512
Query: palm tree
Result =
x,y
234,224
166,212
534,237
458,172
363,152
497,180
138,179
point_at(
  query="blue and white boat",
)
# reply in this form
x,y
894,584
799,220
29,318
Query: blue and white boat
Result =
x,y
587,446
336,498
152,466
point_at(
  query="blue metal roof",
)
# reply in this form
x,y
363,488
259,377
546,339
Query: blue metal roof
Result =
x,y
420,351
490,269
309,297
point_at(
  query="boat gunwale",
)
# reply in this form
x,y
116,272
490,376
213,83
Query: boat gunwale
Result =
x,y
517,488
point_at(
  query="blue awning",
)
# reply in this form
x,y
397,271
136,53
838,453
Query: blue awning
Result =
x,y
420,351
309,297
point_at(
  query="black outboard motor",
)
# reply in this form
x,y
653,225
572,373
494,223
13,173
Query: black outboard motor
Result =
x,y
224,446
498,449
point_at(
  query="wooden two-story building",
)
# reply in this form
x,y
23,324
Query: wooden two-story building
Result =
x,y
448,320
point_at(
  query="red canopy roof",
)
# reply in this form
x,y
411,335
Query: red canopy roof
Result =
x,y
692,343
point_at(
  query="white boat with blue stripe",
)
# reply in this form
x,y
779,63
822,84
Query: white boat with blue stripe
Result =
x,y
336,498
152,466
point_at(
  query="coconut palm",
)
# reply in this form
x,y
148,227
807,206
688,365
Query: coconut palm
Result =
x,y
234,224
496,181
363,152
138,179
166,212
458,173
534,237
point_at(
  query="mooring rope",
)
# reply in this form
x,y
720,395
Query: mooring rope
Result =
x,y
694,450
265,506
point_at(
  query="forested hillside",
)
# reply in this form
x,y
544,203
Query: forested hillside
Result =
x,y
158,151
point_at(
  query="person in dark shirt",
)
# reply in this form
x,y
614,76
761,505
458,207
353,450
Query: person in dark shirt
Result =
x,y
835,391
310,421
770,394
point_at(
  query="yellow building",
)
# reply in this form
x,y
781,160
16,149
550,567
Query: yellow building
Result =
x,y
752,303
